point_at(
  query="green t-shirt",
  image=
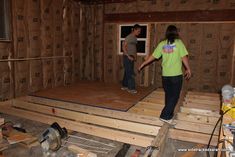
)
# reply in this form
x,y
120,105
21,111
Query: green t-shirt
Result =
x,y
171,57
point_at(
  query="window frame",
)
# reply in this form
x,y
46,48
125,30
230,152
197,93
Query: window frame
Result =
x,y
7,21
147,39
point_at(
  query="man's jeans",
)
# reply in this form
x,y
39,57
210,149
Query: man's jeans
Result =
x,y
129,75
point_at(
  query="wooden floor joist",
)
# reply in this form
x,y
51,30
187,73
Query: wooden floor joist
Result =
x,y
195,127
117,135
86,118
202,97
197,118
97,111
192,137
199,111
202,106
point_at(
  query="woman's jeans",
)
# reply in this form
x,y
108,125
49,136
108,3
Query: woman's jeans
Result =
x,y
172,87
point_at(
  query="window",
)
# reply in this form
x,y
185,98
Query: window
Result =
x,y
4,19
142,40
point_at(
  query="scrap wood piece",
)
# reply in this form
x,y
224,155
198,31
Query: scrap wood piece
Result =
x,y
158,143
16,137
86,118
81,151
112,134
194,137
97,111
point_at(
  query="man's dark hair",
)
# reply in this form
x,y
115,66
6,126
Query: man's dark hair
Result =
x,y
171,34
136,26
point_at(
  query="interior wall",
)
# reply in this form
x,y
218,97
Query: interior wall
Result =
x,y
209,45
91,43
168,5
46,45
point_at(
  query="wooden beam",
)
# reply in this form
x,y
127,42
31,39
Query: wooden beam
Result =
x,y
202,97
86,118
196,127
199,111
202,106
144,111
201,101
174,16
160,141
192,137
149,105
97,111
116,135
197,118
204,94
154,100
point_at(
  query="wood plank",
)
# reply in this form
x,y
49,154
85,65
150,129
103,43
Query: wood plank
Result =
x,y
206,102
204,94
160,141
199,111
202,97
144,111
153,100
196,127
202,106
197,118
121,136
97,111
192,137
173,16
148,106
86,118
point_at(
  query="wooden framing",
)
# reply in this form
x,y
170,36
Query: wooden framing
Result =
x,y
193,125
192,136
86,118
197,118
96,111
117,135
174,16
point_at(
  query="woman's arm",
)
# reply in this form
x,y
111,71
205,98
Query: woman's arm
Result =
x,y
146,62
187,67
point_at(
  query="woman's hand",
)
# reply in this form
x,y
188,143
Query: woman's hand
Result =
x,y
130,58
188,74
141,66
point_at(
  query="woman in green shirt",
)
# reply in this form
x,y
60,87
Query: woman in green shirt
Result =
x,y
173,53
